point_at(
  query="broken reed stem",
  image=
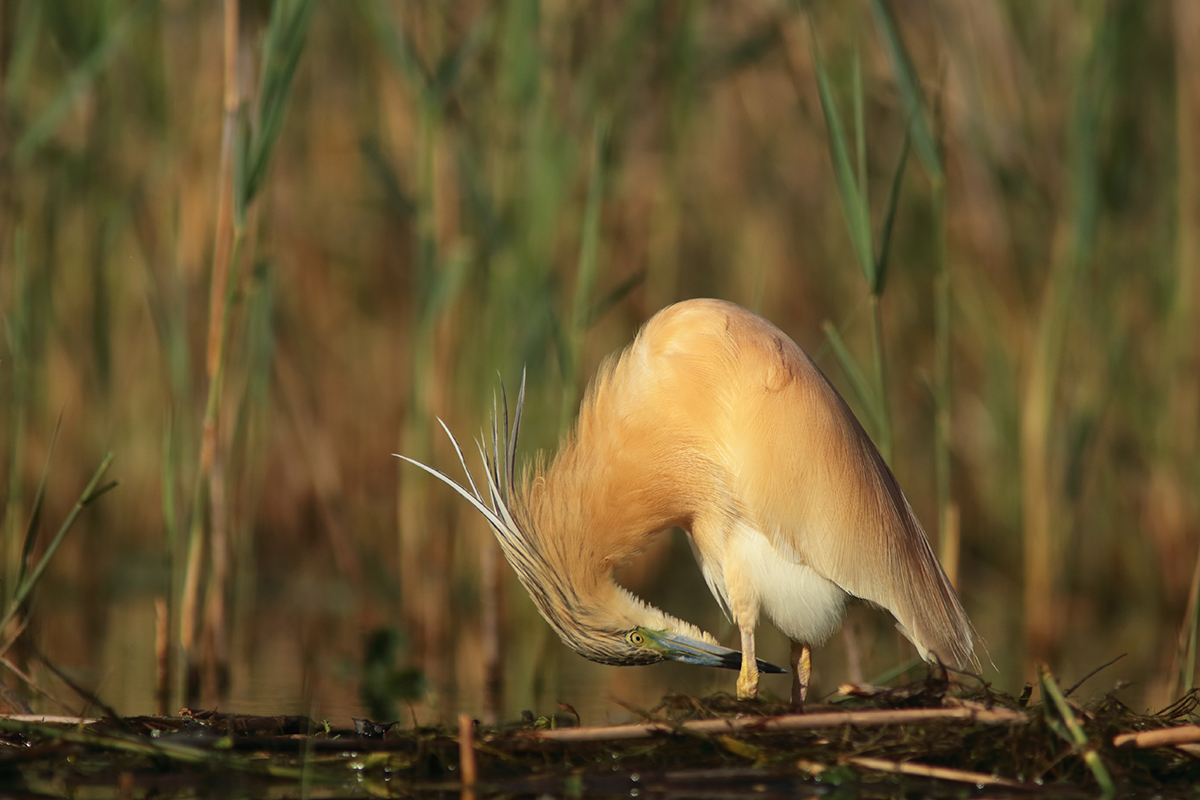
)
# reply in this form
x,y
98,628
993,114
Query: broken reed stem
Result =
x,y
1181,734
491,583
32,684
1183,667
1178,424
162,655
223,246
51,719
948,530
880,369
927,771
224,255
216,636
786,722
466,750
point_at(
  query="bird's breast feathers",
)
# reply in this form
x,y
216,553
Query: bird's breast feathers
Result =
x,y
750,573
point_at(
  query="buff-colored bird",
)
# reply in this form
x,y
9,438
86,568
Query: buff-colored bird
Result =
x,y
714,421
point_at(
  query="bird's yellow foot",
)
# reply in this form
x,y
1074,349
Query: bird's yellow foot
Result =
x,y
801,672
747,683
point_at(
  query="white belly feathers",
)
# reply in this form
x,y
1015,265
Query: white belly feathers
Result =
x,y
805,606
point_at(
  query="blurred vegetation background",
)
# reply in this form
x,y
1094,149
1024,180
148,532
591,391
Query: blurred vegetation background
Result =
x,y
253,248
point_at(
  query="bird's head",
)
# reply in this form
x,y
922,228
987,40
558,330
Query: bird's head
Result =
x,y
594,616
598,619
647,646
612,626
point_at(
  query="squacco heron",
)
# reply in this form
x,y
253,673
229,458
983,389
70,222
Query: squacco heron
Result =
x,y
714,421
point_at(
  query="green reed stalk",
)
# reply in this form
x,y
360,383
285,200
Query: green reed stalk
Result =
x,y
411,486
29,580
46,124
1045,525
242,172
17,330
585,278
853,193
1177,429
228,240
928,151
1061,719
948,529
856,212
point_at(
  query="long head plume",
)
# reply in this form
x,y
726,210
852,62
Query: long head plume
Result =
x,y
500,506
617,628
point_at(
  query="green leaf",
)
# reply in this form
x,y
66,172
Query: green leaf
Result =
x,y
26,585
885,236
25,35
585,276
396,46
46,123
860,126
615,295
445,284
1061,719
589,245
451,66
35,516
854,204
858,381
910,90
286,33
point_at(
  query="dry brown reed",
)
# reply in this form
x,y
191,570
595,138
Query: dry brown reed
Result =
x,y
460,190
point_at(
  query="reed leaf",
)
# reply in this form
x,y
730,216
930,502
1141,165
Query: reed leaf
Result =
x,y
858,380
1190,634
1060,717
585,275
615,295
18,333
860,129
26,34
889,219
284,43
46,124
91,492
395,44
383,171
854,201
910,90
450,68
1045,530
35,515
446,283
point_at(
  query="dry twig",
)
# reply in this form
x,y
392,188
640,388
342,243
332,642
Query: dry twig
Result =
x,y
1180,734
928,771
787,722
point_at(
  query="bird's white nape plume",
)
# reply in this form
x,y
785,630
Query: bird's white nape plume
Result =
x,y
713,420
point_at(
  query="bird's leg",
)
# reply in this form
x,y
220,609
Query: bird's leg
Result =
x,y
747,683
801,671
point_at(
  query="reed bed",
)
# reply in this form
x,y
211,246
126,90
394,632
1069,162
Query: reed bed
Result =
x,y
922,740
251,249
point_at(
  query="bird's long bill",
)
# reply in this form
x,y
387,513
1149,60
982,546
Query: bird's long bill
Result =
x,y
693,651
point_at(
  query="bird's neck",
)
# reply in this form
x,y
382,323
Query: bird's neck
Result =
x,y
610,489
618,481
600,503
585,517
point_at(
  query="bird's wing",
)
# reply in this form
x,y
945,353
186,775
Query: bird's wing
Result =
x,y
802,467
714,579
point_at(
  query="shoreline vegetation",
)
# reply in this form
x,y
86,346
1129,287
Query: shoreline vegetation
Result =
x,y
249,249
926,737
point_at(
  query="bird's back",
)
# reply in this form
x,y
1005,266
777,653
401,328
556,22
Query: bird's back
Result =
x,y
782,444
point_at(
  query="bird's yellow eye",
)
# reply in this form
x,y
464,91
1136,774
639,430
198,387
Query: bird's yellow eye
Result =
x,y
636,638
